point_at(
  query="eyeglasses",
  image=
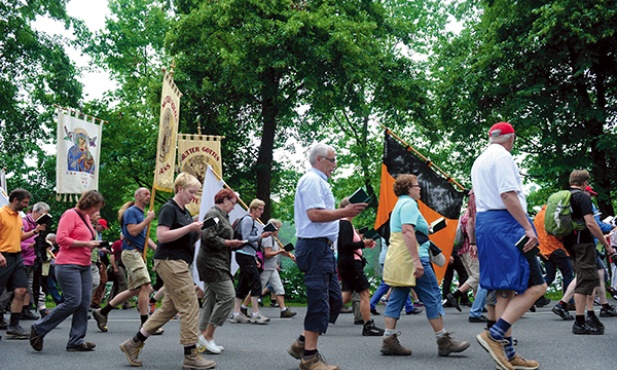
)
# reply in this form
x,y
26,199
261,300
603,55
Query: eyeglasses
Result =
x,y
261,208
331,160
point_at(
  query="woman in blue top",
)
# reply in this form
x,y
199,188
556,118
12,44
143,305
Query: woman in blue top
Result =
x,y
407,264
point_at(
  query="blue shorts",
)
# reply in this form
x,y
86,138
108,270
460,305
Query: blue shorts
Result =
x,y
315,259
427,290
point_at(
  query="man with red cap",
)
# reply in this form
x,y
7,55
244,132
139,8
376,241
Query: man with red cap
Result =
x,y
501,221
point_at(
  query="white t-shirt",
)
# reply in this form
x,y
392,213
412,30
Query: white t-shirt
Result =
x,y
494,173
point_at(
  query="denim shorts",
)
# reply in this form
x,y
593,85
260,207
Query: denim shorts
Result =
x,y
427,290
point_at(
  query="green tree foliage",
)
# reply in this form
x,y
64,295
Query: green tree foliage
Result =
x,y
35,73
252,64
548,67
131,48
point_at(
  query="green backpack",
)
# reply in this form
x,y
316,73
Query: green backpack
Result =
x,y
558,218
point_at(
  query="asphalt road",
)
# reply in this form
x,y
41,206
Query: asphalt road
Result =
x,y
542,336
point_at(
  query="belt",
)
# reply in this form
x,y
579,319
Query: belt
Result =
x,y
323,240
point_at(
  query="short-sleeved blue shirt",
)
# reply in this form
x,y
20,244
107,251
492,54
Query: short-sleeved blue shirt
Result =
x,y
406,212
133,216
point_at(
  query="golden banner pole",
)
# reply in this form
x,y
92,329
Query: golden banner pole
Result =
x,y
150,208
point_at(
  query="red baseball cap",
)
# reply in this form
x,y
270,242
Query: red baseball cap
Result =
x,y
103,223
500,128
590,191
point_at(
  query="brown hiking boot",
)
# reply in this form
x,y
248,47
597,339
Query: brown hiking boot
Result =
x,y
315,362
131,350
392,347
296,350
194,361
447,345
495,349
519,363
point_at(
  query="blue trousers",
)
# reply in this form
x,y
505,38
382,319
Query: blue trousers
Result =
x,y
76,284
315,258
478,302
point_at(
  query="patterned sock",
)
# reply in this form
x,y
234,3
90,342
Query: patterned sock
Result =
x,y
509,348
499,330
189,349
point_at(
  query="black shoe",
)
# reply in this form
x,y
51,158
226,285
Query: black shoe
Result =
x,y
274,304
480,318
36,340
586,329
3,324
562,312
28,315
542,301
358,322
374,312
370,330
245,311
415,311
532,308
611,311
82,347
453,302
467,303
594,322
259,302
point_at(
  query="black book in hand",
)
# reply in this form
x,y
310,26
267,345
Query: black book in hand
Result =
x,y
520,244
270,227
210,222
359,196
289,247
371,234
437,225
44,219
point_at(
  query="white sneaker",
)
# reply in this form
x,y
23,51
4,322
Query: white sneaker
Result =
x,y
208,345
259,319
240,319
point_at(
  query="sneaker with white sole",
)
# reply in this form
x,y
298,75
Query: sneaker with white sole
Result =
x,y
240,319
495,348
259,319
207,345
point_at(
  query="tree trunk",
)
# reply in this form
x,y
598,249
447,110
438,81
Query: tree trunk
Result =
x,y
269,112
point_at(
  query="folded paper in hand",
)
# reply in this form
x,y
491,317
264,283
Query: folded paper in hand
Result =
x,y
359,196
210,222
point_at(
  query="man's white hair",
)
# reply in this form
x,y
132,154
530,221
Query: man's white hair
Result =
x,y
41,207
499,139
320,149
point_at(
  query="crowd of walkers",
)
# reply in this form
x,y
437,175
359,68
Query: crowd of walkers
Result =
x,y
497,280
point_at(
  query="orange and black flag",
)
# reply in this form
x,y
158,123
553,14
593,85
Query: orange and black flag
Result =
x,y
438,197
